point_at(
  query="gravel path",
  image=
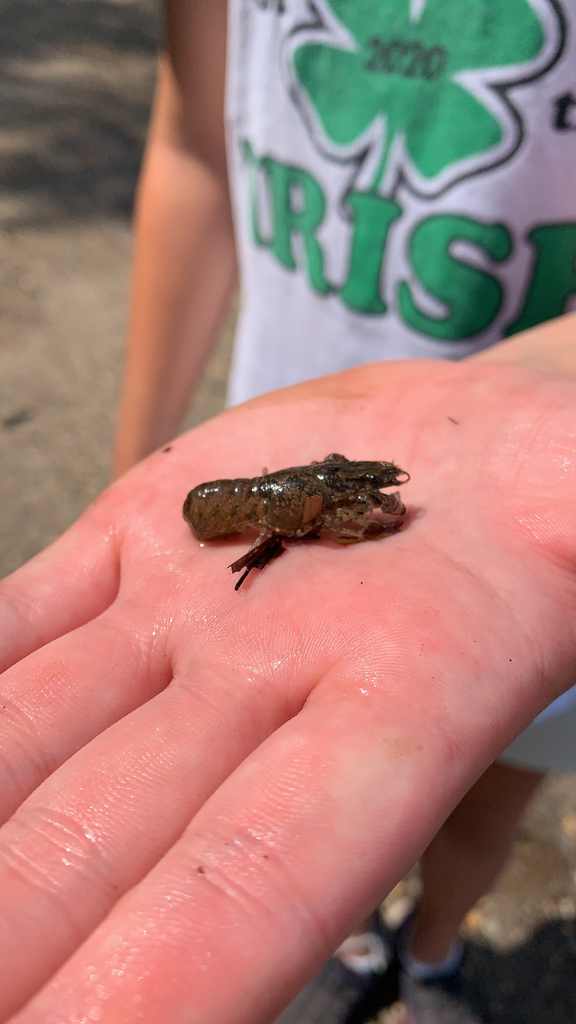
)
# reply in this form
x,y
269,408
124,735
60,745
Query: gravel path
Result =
x,y
75,83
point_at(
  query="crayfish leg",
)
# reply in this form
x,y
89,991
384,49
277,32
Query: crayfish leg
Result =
x,y
373,530
258,557
335,457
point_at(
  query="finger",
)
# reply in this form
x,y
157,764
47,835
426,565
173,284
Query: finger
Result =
x,y
93,829
304,838
62,588
339,790
61,696
411,713
308,833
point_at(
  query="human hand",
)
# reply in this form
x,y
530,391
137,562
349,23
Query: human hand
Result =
x,y
211,788
548,346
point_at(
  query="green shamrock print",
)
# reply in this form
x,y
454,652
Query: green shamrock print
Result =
x,y
427,70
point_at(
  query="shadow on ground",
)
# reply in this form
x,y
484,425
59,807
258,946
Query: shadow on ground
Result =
x,y
75,83
534,984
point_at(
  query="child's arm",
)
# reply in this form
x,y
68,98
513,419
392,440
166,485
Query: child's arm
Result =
x,y
184,260
550,346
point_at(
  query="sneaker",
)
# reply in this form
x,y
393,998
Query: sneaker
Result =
x,y
351,987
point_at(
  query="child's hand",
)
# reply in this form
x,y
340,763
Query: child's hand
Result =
x,y
210,788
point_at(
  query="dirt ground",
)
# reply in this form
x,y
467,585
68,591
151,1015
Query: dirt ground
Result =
x,y
75,83
76,77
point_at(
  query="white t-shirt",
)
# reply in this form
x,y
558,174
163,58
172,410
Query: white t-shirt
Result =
x,y
404,183
403,175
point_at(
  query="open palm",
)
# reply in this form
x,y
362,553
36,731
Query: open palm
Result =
x,y
210,788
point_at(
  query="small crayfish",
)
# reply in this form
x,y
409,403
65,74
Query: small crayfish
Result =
x,y
297,503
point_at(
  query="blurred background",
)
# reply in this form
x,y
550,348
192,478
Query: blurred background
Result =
x,y
76,82
76,79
